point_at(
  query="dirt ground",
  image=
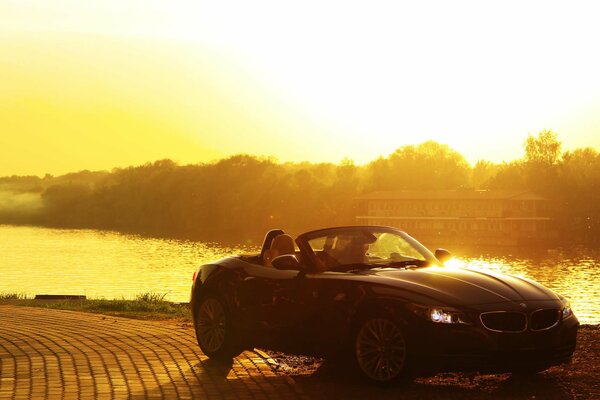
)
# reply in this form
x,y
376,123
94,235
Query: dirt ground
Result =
x,y
578,380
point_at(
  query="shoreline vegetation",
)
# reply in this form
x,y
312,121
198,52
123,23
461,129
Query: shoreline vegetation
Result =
x,y
152,306
239,198
145,306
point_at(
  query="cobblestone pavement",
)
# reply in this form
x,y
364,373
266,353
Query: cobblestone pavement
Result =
x,y
56,354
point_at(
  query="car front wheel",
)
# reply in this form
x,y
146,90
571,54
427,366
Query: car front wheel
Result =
x,y
380,350
213,329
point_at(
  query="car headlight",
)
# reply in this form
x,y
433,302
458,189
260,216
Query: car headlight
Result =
x,y
441,315
567,311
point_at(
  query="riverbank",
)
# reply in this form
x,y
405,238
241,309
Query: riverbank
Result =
x,y
148,306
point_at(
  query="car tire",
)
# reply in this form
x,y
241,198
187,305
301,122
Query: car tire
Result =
x,y
214,331
380,350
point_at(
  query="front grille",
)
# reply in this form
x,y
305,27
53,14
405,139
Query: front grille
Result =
x,y
544,319
504,321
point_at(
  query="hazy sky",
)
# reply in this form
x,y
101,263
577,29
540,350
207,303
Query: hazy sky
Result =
x,y
99,84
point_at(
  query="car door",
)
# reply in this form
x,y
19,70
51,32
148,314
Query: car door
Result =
x,y
335,297
273,299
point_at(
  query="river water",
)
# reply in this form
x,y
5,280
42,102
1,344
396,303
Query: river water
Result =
x,y
102,264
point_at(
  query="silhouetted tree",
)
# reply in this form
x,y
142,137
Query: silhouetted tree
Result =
x,y
543,149
483,173
578,191
429,165
240,197
542,155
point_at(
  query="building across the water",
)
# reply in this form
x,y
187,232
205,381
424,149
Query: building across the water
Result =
x,y
482,217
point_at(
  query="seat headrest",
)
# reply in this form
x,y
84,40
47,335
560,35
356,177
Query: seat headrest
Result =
x,y
282,244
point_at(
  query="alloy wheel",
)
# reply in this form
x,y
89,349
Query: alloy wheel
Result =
x,y
211,325
380,349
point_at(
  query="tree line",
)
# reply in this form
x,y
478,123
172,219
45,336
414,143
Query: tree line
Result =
x,y
238,198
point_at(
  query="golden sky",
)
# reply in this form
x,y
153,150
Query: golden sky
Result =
x,y
100,84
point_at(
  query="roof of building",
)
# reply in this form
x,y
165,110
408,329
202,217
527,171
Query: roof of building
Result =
x,y
459,194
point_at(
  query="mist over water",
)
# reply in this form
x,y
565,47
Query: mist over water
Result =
x,y
105,264
20,203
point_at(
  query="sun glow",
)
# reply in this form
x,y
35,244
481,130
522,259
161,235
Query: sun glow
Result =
x,y
455,263
194,81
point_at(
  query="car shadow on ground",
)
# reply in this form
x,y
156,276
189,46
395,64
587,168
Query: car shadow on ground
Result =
x,y
331,380
224,379
210,379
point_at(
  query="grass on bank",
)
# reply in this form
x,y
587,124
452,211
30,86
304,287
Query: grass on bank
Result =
x,y
145,306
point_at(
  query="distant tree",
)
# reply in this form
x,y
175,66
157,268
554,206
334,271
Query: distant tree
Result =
x,y
377,175
428,166
543,149
238,198
340,204
483,173
65,204
542,155
509,176
578,189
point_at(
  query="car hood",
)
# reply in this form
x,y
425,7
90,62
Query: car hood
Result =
x,y
461,286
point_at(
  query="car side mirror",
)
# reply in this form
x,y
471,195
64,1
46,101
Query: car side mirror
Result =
x,y
443,255
286,262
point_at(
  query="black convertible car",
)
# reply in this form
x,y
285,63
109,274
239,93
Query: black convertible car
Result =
x,y
378,297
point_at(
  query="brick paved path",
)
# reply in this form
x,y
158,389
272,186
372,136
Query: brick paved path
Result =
x,y
56,354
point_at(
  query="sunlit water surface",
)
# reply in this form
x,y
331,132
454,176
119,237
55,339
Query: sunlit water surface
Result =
x,y
111,265
99,263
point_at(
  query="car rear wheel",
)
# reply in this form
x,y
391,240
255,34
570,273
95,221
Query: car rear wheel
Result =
x,y
380,350
213,329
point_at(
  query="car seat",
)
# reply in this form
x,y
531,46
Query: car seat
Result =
x,y
281,244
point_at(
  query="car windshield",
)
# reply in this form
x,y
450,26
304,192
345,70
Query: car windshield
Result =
x,y
341,249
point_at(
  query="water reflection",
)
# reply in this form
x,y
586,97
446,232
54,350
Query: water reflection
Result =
x,y
100,264
107,264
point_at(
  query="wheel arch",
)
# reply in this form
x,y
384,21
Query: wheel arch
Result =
x,y
383,306
211,279
395,308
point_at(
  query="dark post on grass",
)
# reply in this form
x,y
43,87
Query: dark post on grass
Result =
x,y
59,297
